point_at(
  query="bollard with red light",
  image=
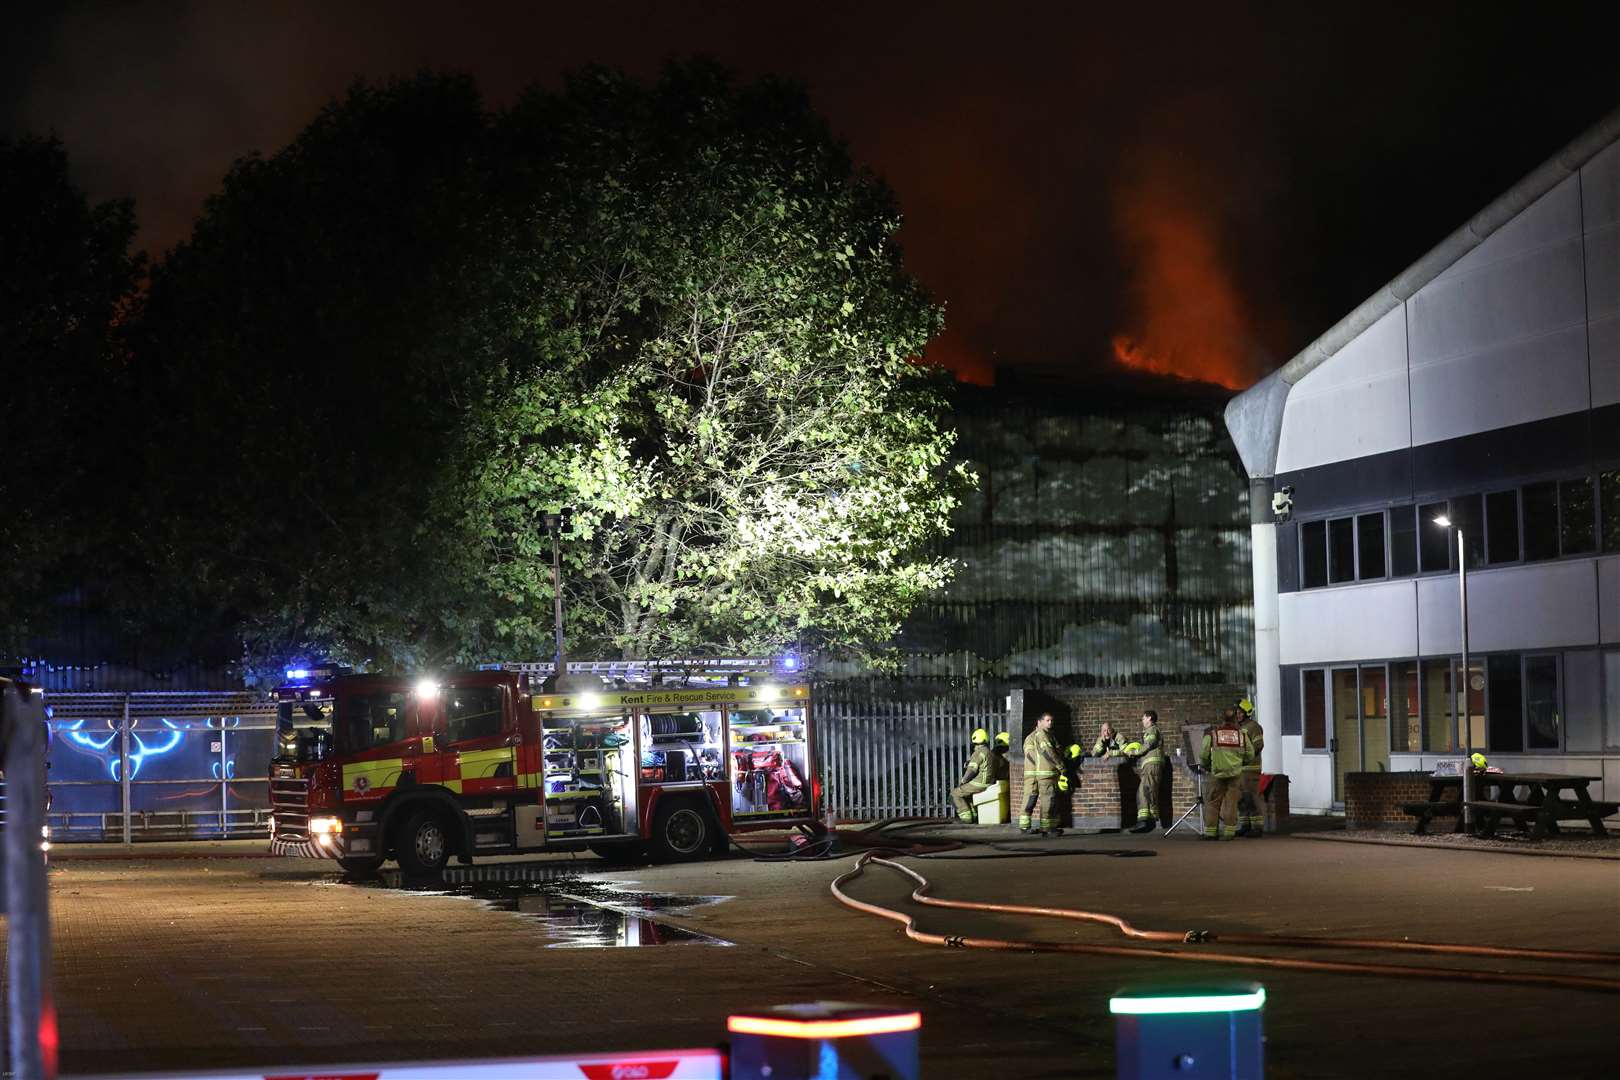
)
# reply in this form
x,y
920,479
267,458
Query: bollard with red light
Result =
x,y
824,1040
1173,1034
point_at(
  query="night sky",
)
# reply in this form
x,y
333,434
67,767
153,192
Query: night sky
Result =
x,y
1203,187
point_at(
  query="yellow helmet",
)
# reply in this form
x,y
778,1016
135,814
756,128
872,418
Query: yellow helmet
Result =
x,y
1132,748
1247,706
1003,739
1074,750
1478,760
980,736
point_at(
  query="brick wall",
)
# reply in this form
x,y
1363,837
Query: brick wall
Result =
x,y
1372,800
1106,795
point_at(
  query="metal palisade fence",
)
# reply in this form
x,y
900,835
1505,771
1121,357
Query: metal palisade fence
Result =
x,y
897,750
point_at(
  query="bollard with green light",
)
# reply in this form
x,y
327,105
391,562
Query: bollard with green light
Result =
x,y
1180,1033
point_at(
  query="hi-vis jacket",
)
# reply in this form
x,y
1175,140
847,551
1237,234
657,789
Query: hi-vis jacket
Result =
x,y
1041,757
981,768
1152,752
1226,751
1257,739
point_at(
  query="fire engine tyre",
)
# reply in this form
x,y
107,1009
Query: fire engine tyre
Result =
x,y
423,845
682,830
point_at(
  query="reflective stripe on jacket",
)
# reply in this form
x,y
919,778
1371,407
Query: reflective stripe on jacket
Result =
x,y
1105,744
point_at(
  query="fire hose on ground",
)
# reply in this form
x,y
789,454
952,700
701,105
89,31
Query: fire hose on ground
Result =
x,y
1199,937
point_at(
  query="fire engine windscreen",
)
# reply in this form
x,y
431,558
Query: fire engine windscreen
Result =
x,y
368,720
769,764
303,730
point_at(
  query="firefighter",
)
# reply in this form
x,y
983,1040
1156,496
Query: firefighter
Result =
x,y
1251,813
999,748
979,773
1226,750
1107,742
1147,758
1043,766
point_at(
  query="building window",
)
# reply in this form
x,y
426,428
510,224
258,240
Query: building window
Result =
x,y
1434,548
1576,523
1543,720
1404,725
1402,541
1506,703
1341,550
1313,554
1609,504
1611,699
1502,527
1583,701
1315,709
1439,704
1370,546
1540,521
1468,514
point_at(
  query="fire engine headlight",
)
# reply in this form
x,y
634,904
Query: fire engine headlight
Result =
x,y
325,826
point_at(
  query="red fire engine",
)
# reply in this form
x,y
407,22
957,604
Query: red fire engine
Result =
x,y
659,758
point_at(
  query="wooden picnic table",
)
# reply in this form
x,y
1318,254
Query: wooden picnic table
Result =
x,y
1496,796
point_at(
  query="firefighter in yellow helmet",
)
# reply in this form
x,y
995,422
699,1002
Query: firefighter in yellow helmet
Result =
x,y
1225,751
1147,758
999,748
1251,814
1043,765
978,774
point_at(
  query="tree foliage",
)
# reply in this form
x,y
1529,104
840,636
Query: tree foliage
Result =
x,y
66,271
677,309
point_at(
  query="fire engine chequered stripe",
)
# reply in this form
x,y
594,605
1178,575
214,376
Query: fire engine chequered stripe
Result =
x,y
483,764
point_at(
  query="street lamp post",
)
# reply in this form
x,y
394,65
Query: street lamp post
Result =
x,y
1444,521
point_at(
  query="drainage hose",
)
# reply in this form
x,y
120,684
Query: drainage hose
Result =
x,y
1569,982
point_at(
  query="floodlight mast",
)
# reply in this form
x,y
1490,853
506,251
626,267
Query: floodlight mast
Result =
x,y
1444,521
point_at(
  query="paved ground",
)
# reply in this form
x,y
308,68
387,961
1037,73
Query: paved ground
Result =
x,y
170,963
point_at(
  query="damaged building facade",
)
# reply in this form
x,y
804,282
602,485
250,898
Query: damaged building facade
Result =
x,y
1107,543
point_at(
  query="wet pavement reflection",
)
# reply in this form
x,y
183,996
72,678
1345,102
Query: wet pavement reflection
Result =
x,y
575,911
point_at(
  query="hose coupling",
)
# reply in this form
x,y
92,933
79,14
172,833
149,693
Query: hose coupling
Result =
x,y
1195,937
954,941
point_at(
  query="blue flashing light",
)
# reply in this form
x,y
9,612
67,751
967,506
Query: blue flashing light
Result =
x,y
790,663
298,673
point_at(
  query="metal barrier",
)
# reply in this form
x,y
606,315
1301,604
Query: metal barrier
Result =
x,y
160,765
886,753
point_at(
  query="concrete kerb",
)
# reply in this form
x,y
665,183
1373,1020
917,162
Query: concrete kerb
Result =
x,y
1387,841
164,849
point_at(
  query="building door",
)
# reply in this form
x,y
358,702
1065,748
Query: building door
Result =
x,y
1345,742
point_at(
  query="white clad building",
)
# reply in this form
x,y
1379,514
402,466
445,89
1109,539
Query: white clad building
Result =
x,y
1482,384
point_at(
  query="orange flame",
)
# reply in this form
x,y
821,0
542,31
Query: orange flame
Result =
x,y
1190,320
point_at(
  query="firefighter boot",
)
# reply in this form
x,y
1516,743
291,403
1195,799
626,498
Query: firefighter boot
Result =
x,y
1145,825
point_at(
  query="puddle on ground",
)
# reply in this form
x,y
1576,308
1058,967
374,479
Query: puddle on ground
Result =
x,y
576,912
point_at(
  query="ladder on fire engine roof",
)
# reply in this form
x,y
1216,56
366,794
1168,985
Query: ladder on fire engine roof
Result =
x,y
646,670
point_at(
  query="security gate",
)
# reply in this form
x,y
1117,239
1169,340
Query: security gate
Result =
x,y
897,752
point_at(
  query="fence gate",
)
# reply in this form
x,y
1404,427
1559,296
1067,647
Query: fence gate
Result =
x,y
890,754
172,765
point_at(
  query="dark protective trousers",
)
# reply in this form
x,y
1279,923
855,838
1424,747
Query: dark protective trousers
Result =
x,y
1221,806
1148,786
1040,805
962,798
1251,811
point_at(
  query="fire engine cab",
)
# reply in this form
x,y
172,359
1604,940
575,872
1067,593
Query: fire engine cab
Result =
x,y
626,758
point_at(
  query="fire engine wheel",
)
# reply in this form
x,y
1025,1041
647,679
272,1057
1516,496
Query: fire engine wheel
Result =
x,y
681,831
423,845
